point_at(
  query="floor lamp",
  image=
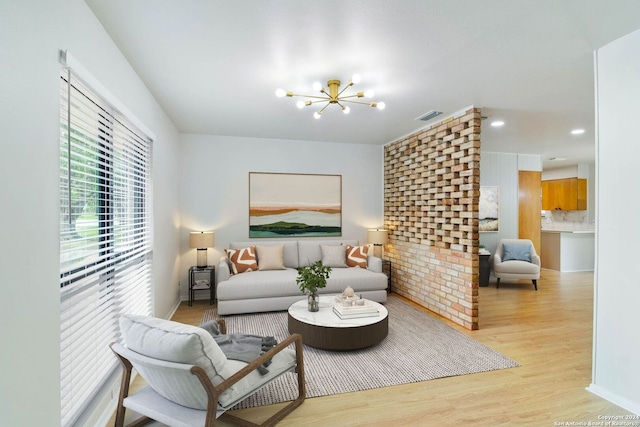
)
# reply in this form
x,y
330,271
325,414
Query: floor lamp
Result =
x,y
378,237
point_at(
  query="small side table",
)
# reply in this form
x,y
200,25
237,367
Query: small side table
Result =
x,y
484,268
196,284
386,269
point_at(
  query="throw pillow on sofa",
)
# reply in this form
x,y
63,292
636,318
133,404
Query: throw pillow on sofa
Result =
x,y
334,255
357,256
242,259
270,257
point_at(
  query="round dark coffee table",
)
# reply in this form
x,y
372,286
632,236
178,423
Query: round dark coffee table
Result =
x,y
325,330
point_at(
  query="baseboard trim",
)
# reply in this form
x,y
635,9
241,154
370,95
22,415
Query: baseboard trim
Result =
x,y
622,402
173,310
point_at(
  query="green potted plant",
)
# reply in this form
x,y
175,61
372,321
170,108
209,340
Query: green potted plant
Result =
x,y
310,279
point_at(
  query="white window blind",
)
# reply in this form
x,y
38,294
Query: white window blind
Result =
x,y
105,237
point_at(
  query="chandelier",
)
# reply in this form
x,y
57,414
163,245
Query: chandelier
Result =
x,y
333,96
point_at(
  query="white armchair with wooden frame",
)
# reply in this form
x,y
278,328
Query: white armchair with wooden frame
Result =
x,y
190,380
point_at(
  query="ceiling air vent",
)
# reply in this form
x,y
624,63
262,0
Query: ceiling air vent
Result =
x,y
429,115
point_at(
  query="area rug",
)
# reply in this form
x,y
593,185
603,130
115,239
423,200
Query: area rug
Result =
x,y
418,348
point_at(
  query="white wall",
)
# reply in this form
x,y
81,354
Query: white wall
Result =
x,y
31,34
591,192
616,371
530,162
214,185
501,169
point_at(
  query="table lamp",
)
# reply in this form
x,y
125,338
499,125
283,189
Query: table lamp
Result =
x,y
201,240
378,236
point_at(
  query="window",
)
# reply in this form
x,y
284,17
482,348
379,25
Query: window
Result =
x,y
105,237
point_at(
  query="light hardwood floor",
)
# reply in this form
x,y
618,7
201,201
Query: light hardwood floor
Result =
x,y
549,332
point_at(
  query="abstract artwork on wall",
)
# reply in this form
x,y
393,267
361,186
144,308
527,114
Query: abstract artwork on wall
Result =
x,y
294,205
489,208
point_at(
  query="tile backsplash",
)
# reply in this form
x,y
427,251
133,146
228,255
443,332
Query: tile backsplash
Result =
x,y
566,220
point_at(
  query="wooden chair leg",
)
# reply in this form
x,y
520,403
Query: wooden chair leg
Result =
x,y
535,283
497,282
124,389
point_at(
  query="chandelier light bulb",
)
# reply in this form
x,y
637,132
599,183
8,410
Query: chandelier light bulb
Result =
x,y
369,93
346,110
356,78
317,115
280,93
317,86
380,106
300,104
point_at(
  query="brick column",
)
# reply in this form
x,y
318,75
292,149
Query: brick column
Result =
x,y
432,189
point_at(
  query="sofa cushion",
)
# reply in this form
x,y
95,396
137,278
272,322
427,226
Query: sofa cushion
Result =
x,y
270,257
263,284
282,283
359,279
290,250
334,256
516,252
516,267
309,250
356,256
242,260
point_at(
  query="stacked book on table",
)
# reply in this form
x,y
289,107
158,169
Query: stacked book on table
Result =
x,y
354,311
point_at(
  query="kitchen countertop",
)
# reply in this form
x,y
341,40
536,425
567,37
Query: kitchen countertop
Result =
x,y
570,231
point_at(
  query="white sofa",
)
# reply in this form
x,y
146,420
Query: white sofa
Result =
x,y
276,290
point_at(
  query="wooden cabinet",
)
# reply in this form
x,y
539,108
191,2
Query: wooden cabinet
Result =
x,y
568,194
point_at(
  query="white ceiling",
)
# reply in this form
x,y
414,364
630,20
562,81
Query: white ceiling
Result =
x,y
214,65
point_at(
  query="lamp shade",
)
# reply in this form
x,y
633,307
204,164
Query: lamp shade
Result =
x,y
377,236
201,239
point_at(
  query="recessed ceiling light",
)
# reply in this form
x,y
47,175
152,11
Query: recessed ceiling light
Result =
x,y
497,123
557,159
577,132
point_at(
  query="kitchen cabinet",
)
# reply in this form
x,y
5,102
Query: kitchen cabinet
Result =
x,y
569,194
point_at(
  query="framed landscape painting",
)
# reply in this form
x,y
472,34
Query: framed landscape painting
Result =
x,y
489,207
294,205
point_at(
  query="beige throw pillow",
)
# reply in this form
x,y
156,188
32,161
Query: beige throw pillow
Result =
x,y
271,257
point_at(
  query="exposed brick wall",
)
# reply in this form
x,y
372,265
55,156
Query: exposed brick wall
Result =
x,y
431,194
